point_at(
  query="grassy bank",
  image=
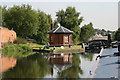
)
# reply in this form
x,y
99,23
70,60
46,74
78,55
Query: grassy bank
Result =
x,y
35,46
17,54
30,46
72,47
16,48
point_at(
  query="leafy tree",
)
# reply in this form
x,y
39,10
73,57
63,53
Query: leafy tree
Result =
x,y
87,31
70,19
22,19
0,16
117,35
3,12
43,27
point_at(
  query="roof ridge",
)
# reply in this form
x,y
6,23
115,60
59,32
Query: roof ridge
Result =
x,y
56,29
62,29
68,29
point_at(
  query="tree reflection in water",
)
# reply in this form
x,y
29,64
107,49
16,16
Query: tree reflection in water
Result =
x,y
34,66
88,56
74,71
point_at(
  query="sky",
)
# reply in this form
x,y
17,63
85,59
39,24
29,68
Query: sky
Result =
x,y
102,13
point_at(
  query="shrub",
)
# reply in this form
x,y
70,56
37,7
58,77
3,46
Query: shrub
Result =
x,y
17,48
20,41
26,48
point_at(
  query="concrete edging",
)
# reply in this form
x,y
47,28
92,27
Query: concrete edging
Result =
x,y
96,65
69,50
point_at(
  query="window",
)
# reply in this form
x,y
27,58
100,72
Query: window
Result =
x,y
66,39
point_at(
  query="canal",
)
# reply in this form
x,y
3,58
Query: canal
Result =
x,y
39,65
108,66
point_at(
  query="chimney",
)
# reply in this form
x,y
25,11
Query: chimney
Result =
x,y
52,25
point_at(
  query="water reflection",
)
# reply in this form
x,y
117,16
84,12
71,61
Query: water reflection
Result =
x,y
74,71
7,62
34,66
60,58
46,65
88,56
59,63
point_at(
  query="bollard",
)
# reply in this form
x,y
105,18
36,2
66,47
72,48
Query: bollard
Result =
x,y
118,46
109,40
118,53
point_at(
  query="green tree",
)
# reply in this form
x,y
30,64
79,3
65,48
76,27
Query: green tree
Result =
x,y
43,27
0,16
117,35
70,19
22,19
87,31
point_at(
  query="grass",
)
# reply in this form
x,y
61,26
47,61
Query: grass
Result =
x,y
17,50
22,50
51,48
73,47
17,54
16,47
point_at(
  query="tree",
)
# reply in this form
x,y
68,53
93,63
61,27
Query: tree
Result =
x,y
117,35
0,16
43,27
3,12
21,19
70,19
87,31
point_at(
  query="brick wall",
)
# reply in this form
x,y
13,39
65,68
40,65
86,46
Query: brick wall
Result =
x,y
6,35
58,39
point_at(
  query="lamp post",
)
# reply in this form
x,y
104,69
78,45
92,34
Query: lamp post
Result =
x,y
119,46
109,40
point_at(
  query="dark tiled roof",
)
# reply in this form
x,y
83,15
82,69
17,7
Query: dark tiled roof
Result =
x,y
60,29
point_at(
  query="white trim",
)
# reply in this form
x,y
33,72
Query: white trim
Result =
x,y
68,30
62,29
56,29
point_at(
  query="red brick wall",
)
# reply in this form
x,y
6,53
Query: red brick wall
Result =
x,y
7,35
58,39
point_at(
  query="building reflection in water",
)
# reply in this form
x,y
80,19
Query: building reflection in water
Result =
x,y
60,62
60,58
6,63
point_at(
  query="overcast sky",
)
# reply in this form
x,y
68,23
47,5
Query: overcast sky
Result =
x,y
103,14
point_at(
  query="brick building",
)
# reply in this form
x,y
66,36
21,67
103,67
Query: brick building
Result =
x,y
60,36
6,35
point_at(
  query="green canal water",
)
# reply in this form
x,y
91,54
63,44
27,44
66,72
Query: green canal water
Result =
x,y
45,65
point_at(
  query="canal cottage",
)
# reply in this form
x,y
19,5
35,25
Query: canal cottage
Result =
x,y
60,36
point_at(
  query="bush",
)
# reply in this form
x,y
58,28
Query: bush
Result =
x,y
26,48
20,41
